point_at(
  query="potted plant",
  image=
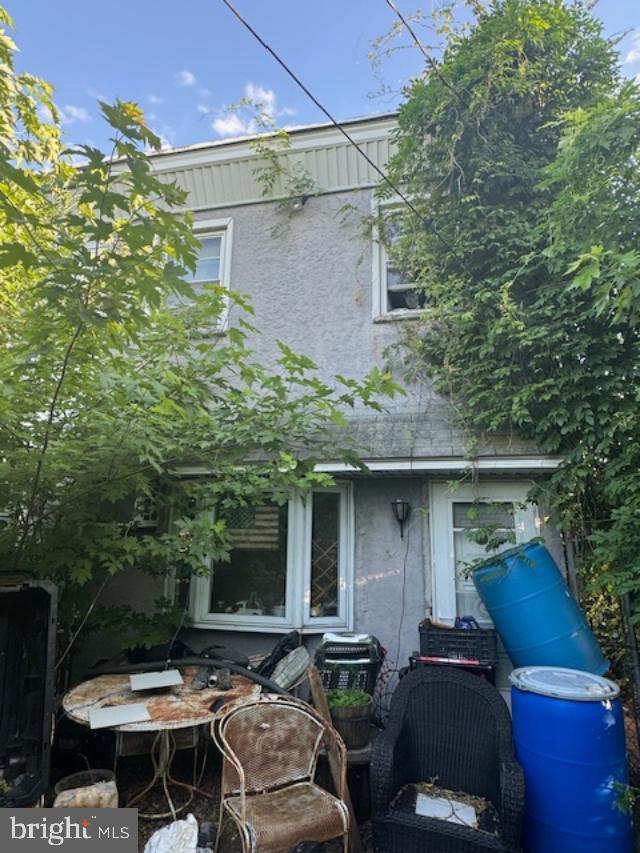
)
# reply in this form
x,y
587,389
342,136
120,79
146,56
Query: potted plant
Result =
x,y
351,712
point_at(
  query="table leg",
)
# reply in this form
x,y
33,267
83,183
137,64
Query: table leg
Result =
x,y
163,750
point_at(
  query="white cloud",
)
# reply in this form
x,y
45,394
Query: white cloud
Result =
x,y
186,78
95,93
242,120
203,109
70,114
230,124
263,99
633,56
155,99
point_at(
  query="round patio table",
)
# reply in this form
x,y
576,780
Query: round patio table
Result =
x,y
169,709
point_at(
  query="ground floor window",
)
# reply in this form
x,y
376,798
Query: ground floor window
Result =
x,y
291,566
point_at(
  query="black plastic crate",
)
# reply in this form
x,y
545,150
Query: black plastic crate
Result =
x,y
475,644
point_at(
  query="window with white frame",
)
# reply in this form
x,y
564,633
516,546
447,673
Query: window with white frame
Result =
x,y
290,566
213,265
395,293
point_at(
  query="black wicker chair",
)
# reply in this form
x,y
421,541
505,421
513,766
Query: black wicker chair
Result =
x,y
453,729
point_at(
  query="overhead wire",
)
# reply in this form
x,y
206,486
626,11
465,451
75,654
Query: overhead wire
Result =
x,y
431,62
387,180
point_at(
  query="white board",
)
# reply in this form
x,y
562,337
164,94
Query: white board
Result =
x,y
445,809
155,680
118,715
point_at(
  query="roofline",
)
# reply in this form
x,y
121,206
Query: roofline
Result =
x,y
292,131
496,464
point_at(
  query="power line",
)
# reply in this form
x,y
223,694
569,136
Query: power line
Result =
x,y
431,62
426,222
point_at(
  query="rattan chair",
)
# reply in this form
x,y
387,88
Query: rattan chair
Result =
x,y
453,729
270,749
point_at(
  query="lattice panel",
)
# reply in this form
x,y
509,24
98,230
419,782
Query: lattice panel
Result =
x,y
324,572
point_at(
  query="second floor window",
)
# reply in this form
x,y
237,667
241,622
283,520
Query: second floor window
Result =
x,y
402,294
209,256
395,291
213,266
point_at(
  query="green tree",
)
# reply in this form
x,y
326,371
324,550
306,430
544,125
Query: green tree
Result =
x,y
114,371
520,149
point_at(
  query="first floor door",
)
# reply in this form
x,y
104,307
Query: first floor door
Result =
x,y
462,514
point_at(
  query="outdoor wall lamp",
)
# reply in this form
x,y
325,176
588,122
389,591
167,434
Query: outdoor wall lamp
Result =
x,y
299,202
401,511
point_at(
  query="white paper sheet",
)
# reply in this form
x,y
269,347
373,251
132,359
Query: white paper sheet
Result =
x,y
118,715
444,809
155,680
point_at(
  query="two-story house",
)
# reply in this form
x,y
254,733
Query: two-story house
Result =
x,y
325,286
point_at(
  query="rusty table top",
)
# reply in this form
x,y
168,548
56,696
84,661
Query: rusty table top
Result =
x,y
171,708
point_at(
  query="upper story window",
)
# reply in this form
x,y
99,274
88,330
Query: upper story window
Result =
x,y
213,265
395,294
209,255
290,566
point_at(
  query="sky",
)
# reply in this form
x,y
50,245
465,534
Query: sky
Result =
x,y
187,63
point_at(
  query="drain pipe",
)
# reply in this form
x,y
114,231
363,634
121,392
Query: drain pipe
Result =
x,y
158,666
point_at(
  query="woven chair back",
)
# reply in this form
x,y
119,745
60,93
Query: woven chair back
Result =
x,y
454,737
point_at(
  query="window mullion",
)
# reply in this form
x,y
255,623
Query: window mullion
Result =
x,y
304,558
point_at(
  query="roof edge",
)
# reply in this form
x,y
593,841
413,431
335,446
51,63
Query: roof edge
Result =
x,y
296,131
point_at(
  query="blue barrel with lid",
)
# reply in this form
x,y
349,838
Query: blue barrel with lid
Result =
x,y
539,621
568,728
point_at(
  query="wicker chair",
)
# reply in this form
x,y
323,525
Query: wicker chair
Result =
x,y
270,749
453,729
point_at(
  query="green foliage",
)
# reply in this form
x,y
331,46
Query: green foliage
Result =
x,y
116,371
521,148
347,698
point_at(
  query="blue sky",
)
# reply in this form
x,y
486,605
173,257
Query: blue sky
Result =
x,y
185,63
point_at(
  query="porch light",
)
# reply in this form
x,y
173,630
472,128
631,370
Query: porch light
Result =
x,y
299,202
401,511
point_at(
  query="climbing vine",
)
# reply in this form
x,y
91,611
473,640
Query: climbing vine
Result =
x,y
520,150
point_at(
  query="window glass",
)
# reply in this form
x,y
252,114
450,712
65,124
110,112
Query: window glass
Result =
x,y
325,554
401,293
208,264
254,581
469,520
472,516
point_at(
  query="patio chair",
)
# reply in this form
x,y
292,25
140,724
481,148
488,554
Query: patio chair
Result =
x,y
270,749
451,729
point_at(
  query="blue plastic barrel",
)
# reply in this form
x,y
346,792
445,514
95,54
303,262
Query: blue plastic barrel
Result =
x,y
539,621
569,735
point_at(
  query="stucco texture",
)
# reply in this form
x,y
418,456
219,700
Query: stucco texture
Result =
x,y
309,277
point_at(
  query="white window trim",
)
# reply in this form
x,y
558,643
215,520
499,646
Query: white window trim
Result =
x,y
298,597
379,301
219,228
441,500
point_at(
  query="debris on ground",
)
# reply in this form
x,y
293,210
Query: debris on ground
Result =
x,y
181,836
